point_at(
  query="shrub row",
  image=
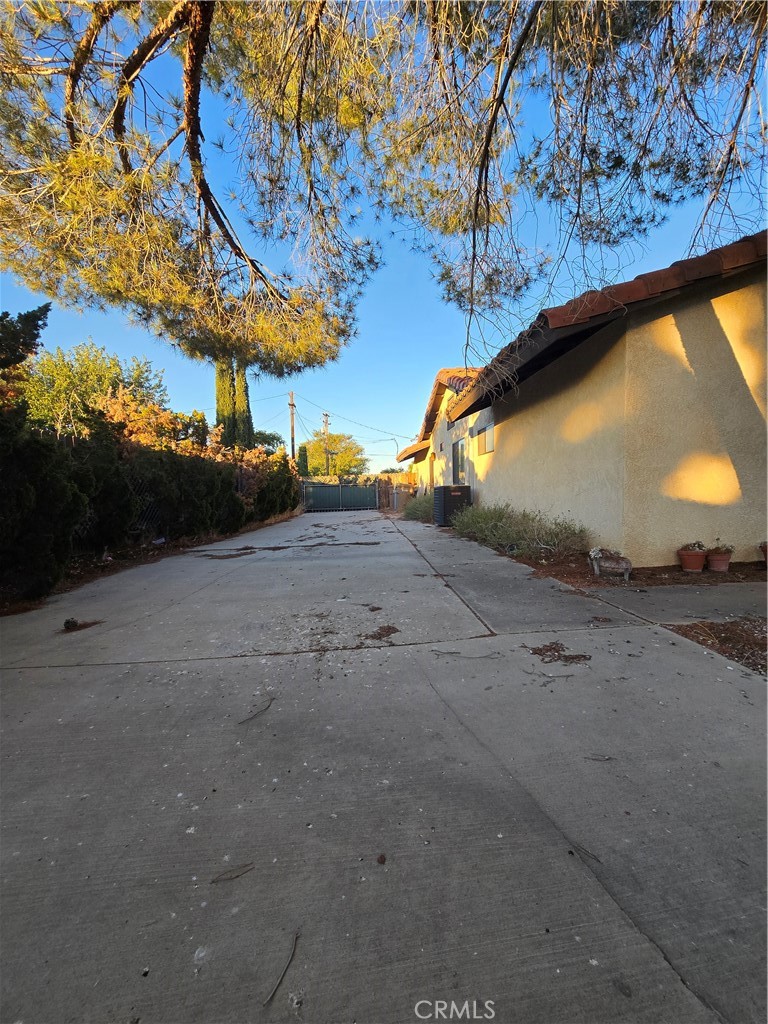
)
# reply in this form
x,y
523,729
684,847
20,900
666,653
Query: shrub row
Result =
x,y
420,508
522,531
100,491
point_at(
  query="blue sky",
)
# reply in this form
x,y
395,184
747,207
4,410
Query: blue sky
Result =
x,y
377,389
381,380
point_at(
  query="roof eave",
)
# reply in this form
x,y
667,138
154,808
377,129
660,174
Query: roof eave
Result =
x,y
412,450
543,348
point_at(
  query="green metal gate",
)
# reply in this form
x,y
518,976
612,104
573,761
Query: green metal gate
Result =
x,y
339,497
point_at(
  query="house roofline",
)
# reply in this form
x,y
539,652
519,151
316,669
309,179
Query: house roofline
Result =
x,y
412,450
558,329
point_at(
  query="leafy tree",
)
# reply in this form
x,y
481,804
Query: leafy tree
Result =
x,y
63,388
149,424
346,458
268,440
458,118
144,383
302,461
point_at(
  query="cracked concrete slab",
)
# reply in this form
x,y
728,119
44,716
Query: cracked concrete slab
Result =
x,y
439,816
689,603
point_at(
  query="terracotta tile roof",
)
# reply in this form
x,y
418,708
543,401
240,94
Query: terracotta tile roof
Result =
x,y
594,308
712,264
451,378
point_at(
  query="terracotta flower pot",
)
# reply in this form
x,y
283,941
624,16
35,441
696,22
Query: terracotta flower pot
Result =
x,y
717,562
691,561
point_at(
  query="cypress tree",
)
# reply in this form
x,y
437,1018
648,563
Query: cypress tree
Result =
x,y
225,401
302,461
243,421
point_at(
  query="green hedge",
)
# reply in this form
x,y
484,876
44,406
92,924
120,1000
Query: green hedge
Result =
x,y
96,492
40,506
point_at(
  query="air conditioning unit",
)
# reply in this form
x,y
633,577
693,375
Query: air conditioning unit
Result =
x,y
448,501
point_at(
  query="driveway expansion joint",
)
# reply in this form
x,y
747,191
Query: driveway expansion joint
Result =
x,y
441,576
584,855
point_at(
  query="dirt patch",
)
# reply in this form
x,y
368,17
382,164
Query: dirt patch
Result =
x,y
741,640
576,572
344,544
382,633
555,651
239,553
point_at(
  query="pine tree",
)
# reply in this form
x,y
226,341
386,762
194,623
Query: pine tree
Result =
x,y
244,435
19,340
225,401
425,108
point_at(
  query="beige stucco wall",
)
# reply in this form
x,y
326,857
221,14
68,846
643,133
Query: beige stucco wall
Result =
x,y
558,444
651,433
696,435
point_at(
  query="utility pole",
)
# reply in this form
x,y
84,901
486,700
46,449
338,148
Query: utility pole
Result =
x,y
327,451
292,410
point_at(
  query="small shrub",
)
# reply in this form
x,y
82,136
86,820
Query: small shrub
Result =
x,y
522,531
420,508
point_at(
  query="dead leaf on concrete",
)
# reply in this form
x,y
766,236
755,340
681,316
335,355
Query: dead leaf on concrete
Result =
x,y
381,633
555,651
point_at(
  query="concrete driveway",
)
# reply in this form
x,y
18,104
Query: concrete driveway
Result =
x,y
353,729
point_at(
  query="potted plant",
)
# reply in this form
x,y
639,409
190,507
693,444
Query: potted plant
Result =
x,y
719,556
692,556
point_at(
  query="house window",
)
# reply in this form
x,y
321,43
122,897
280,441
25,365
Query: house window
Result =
x,y
485,440
459,469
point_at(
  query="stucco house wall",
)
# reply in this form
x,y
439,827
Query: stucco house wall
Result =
x,y
651,433
695,455
559,442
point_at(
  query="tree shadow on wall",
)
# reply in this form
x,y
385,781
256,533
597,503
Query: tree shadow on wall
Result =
x,y
723,390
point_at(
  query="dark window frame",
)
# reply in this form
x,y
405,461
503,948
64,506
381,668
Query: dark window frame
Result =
x,y
459,452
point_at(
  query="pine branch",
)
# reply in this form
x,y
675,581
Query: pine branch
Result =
x,y
102,13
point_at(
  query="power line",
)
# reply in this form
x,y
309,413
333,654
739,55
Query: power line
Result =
x,y
271,418
307,431
367,426
270,398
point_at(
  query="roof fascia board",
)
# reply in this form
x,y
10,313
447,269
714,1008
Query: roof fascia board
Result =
x,y
545,346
